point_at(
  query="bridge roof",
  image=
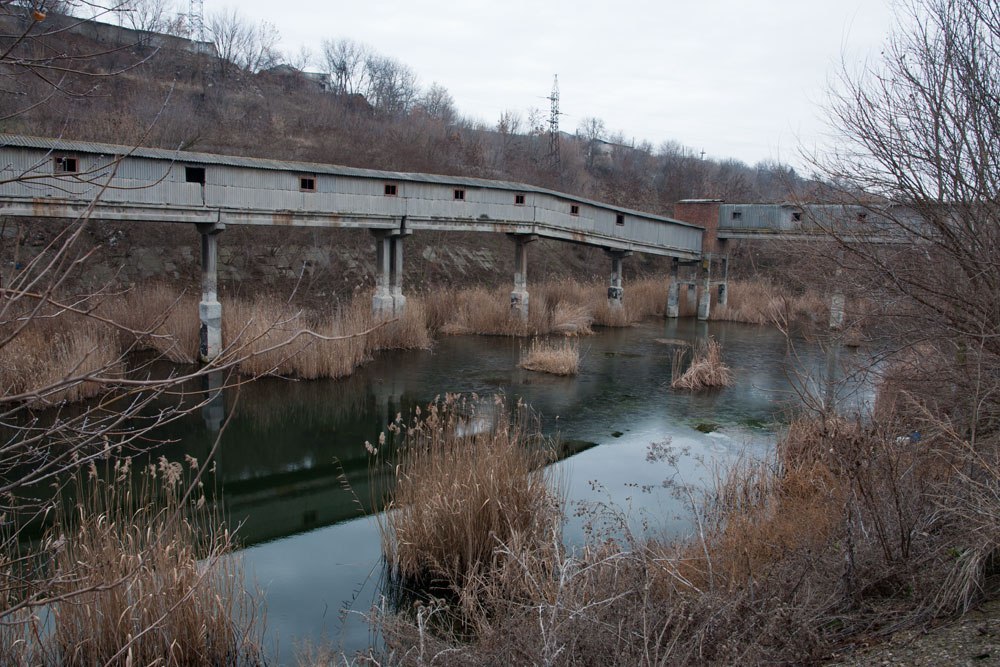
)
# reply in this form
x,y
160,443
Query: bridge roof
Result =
x,y
189,157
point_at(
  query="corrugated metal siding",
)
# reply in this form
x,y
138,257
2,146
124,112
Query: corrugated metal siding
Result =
x,y
261,188
755,216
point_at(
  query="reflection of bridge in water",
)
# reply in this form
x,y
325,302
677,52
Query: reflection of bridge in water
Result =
x,y
273,466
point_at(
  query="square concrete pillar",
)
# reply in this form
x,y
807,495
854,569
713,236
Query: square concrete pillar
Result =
x,y
209,308
705,303
673,291
519,295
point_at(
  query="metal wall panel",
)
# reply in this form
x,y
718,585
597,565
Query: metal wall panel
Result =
x,y
260,191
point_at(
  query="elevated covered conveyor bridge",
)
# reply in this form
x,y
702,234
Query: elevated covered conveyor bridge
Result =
x,y
55,178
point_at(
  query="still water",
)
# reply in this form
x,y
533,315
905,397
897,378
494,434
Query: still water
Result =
x,y
289,447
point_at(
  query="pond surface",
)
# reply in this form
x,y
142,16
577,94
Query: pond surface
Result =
x,y
289,446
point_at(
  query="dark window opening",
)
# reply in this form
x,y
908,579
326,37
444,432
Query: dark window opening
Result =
x,y
862,217
797,216
574,209
519,200
619,219
737,215
459,194
390,189
194,175
307,183
65,165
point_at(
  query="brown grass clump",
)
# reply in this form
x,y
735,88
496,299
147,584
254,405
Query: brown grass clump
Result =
x,y
407,332
845,532
763,302
555,357
138,575
469,477
275,339
706,371
569,319
164,320
482,311
279,339
53,353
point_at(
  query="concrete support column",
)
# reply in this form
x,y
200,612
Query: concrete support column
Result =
x,y
837,302
519,296
692,295
705,303
724,285
209,309
616,293
382,301
673,291
396,275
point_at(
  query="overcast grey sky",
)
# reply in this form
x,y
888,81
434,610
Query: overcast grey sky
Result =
x,y
730,77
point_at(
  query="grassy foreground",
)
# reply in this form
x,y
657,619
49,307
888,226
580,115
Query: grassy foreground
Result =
x,y
846,532
133,571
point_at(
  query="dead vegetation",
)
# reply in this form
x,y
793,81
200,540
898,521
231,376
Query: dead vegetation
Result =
x,y
468,476
141,573
764,302
551,356
846,531
706,370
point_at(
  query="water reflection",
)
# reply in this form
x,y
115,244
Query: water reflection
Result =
x,y
293,470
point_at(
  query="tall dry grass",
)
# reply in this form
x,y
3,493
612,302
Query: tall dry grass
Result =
x,y
275,338
137,574
52,355
161,318
563,307
550,356
845,532
707,370
763,302
469,476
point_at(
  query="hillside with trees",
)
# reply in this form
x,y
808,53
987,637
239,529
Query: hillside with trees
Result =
x,y
360,109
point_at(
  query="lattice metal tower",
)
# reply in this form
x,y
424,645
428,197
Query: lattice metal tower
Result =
x,y
196,19
554,127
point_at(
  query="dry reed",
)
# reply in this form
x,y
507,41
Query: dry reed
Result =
x,y
844,532
138,575
54,354
277,339
160,319
706,370
469,477
763,302
550,356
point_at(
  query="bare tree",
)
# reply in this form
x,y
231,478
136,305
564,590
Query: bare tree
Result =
x,y
242,46
146,15
60,342
392,86
345,60
920,149
438,103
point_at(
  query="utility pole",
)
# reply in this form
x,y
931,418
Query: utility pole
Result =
x,y
553,98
